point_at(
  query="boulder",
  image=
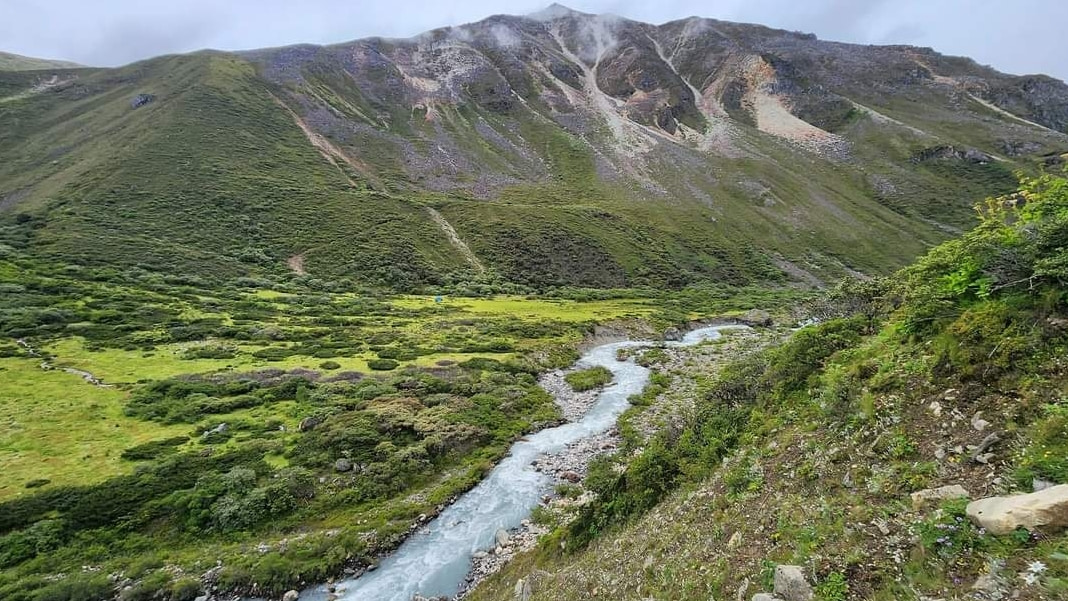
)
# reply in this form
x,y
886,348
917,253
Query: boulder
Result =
x,y
1001,515
343,465
765,597
141,100
757,317
307,424
572,477
522,590
501,536
291,596
672,335
933,496
790,584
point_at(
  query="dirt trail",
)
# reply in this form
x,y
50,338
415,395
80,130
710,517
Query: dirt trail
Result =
x,y
997,109
455,240
330,152
46,366
296,263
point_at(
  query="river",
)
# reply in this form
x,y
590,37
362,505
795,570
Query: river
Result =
x,y
434,560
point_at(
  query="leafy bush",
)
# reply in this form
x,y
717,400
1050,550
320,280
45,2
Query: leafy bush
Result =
x,y
329,365
588,379
382,364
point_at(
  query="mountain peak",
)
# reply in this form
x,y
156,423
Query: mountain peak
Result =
x,y
556,11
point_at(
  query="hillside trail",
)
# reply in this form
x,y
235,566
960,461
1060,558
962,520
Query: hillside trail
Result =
x,y
47,366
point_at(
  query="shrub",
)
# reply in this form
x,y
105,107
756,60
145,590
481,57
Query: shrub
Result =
x,y
382,364
588,379
329,365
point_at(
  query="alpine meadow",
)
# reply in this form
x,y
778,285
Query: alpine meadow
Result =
x,y
558,306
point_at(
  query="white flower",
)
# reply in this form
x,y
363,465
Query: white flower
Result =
x,y
1029,578
1036,567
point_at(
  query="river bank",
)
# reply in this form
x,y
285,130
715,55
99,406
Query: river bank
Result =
x,y
436,560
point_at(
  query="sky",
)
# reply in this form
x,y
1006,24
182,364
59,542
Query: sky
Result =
x,y
1015,36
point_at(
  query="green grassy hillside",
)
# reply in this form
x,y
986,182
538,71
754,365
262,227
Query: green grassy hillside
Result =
x,y
17,62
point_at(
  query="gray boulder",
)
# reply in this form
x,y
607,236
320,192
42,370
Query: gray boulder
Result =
x,y
309,423
757,317
1047,508
502,537
141,100
343,465
672,335
790,584
933,496
291,596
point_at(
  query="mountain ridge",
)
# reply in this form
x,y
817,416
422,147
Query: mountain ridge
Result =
x,y
669,154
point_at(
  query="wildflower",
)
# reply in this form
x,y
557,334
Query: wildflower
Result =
x,y
1036,567
1029,578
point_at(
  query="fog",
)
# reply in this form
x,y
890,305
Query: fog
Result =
x,y
1024,36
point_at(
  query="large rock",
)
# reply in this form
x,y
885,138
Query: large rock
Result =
x,y
502,536
672,335
933,496
757,317
307,424
790,584
291,596
1001,515
523,590
343,465
765,597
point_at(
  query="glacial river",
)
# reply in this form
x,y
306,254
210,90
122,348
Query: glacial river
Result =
x,y
434,560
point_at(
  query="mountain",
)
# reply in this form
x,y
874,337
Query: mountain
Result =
x,y
558,148
17,62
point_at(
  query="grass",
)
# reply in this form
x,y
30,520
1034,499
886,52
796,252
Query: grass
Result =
x,y
59,428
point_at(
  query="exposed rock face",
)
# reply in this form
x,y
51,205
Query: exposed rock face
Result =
x,y
1047,508
141,100
932,496
790,583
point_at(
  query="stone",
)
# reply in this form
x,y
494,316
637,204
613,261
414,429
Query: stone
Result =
x,y
672,335
790,584
990,440
1002,515
978,422
201,598
757,317
522,590
735,540
308,424
933,496
765,597
291,596
572,477
743,588
1038,484
501,536
343,465
141,100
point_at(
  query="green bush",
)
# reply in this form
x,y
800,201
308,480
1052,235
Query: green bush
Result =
x,y
329,365
588,379
382,364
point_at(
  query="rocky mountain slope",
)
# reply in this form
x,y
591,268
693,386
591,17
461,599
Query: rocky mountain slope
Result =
x,y
558,148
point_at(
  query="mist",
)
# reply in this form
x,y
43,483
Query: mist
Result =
x,y
1017,37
